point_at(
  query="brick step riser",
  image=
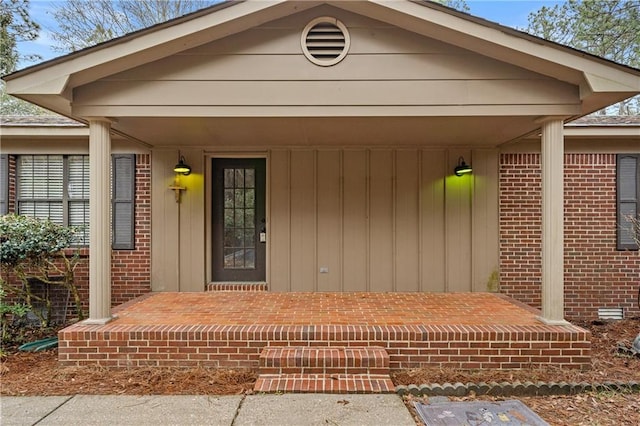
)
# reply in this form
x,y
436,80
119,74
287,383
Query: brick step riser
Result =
x,y
323,370
324,383
312,360
324,361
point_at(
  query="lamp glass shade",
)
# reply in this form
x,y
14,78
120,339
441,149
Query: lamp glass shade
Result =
x,y
462,169
181,167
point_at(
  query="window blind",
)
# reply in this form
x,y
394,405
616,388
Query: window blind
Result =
x,y
40,186
4,184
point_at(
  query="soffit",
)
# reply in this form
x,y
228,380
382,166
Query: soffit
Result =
x,y
245,133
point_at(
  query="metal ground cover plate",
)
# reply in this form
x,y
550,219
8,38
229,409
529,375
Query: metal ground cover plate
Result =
x,y
476,413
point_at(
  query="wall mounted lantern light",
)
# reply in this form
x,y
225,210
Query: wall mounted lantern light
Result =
x,y
462,168
182,167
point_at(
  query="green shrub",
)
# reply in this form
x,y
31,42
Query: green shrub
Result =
x,y
38,249
32,241
9,310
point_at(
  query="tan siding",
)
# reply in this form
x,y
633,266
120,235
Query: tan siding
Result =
x,y
382,220
279,220
355,221
377,219
165,262
283,37
329,220
263,72
326,93
485,220
381,229
303,221
192,230
277,67
432,220
407,220
458,225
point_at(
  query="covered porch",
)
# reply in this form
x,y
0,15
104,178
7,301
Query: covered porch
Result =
x,y
359,152
330,342
365,224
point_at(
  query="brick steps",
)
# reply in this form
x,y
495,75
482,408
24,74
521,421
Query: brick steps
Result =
x,y
324,383
324,360
324,369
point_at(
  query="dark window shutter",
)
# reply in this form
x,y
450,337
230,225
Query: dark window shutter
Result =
x,y
628,193
4,184
122,201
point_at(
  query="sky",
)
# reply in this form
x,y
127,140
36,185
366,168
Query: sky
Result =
x,y
512,13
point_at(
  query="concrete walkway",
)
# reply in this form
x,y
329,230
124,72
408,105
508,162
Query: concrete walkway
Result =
x,y
287,409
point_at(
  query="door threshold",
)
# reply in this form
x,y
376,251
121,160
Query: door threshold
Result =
x,y
237,286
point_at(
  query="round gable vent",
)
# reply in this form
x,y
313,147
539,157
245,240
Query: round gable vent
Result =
x,y
325,41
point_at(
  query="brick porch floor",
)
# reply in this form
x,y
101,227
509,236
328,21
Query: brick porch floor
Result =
x,y
231,329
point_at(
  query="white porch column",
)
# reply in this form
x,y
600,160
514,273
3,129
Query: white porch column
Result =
x,y
553,221
99,222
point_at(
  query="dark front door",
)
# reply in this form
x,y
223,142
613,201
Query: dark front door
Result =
x,y
239,226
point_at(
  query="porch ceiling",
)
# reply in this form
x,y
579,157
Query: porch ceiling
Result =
x,y
325,131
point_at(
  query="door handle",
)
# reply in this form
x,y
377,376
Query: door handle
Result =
x,y
263,232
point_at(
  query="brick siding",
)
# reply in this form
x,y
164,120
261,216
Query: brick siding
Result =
x,y
596,273
131,269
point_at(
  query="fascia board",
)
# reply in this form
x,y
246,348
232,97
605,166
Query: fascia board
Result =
x,y
598,83
54,86
604,131
49,132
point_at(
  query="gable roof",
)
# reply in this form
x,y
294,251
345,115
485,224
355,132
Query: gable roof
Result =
x,y
51,83
227,3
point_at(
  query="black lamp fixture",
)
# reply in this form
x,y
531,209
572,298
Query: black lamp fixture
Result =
x,y
182,167
462,168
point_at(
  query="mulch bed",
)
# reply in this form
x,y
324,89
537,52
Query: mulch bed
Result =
x,y
606,365
26,373
594,408
39,374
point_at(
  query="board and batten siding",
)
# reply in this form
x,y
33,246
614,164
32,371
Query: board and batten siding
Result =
x,y
382,220
178,229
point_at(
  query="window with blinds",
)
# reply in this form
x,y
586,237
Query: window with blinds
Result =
x,y
628,203
57,187
40,186
77,186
